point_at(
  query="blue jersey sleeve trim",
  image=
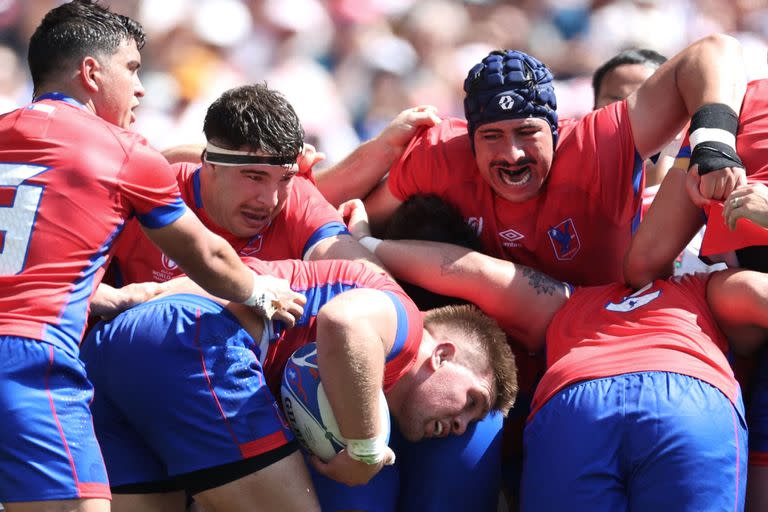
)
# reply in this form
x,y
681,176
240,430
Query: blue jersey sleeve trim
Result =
x,y
163,215
325,231
684,152
637,180
401,335
197,189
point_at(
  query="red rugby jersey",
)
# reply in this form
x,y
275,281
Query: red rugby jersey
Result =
x,y
612,330
68,182
306,219
580,225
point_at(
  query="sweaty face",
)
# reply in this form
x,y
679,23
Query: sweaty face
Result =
x,y
119,85
244,199
514,156
620,82
445,403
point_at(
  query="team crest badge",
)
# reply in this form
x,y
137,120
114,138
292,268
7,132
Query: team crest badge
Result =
x,y
565,240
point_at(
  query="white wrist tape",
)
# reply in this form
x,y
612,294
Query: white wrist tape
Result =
x,y
261,300
368,451
713,135
370,243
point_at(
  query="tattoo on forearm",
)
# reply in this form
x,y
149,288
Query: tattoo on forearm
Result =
x,y
540,282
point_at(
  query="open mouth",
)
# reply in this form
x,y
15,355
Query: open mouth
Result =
x,y
255,217
438,429
515,177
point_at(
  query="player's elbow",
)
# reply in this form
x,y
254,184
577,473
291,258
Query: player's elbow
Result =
x,y
642,267
722,44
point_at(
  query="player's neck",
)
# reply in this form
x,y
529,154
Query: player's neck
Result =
x,y
66,91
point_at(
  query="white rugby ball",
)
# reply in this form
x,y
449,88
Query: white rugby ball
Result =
x,y
307,408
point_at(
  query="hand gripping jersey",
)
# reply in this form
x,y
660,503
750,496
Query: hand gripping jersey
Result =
x,y
306,219
320,281
751,147
579,226
609,330
68,181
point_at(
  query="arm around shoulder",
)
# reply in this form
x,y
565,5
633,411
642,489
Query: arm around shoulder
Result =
x,y
358,174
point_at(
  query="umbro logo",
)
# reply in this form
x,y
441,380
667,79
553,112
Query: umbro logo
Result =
x,y
506,102
510,238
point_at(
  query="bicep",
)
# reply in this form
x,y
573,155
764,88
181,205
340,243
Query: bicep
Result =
x,y
656,112
362,309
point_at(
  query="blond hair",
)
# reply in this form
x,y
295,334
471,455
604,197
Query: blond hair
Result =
x,y
483,347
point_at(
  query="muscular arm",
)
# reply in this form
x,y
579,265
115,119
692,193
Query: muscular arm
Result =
x,y
521,299
739,301
205,257
355,331
110,301
184,153
358,174
711,70
345,247
669,225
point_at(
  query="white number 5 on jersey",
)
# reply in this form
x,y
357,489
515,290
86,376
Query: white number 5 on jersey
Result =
x,y
17,216
634,301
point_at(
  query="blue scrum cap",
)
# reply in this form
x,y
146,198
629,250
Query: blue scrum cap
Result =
x,y
509,85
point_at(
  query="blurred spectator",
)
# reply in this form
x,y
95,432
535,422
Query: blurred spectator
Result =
x,y
351,65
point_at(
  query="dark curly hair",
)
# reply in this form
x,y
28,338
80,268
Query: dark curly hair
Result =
x,y
255,116
73,31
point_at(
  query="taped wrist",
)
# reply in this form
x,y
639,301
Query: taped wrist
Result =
x,y
713,138
368,451
370,243
261,300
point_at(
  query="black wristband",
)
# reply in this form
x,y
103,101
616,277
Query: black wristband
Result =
x,y
713,138
712,156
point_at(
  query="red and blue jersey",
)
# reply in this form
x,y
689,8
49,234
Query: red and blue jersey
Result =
x,y
306,219
580,225
320,281
611,330
68,182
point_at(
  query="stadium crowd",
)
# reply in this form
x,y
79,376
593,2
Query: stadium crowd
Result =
x,y
537,229
370,59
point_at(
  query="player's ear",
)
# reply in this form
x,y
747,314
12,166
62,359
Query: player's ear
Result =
x,y
442,353
90,70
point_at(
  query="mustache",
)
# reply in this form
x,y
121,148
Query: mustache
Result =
x,y
520,162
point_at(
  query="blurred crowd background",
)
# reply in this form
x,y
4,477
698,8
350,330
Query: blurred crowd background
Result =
x,y
349,66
